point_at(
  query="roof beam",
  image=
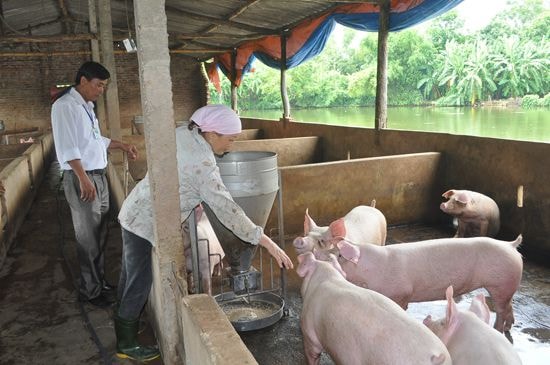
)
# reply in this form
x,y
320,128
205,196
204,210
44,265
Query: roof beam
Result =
x,y
217,21
67,19
47,38
233,15
221,36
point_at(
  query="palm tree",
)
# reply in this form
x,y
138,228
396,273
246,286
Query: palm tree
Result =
x,y
455,57
477,80
521,68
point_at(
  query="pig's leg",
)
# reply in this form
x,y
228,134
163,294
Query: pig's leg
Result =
x,y
312,350
206,284
483,227
505,316
502,302
461,229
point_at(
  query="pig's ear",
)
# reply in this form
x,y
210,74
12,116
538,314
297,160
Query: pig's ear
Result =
x,y
448,194
451,319
337,229
463,198
309,224
480,309
348,251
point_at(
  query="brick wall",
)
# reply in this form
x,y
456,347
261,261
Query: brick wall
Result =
x,y
25,84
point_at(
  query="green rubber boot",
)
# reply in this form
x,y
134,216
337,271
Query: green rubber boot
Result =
x,y
127,346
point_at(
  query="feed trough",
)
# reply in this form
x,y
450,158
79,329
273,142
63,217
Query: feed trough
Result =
x,y
253,311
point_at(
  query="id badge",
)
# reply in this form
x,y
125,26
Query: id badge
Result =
x,y
96,132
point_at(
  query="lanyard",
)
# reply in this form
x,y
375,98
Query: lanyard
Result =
x,y
89,115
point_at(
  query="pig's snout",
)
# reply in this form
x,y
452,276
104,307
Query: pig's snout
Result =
x,y
298,242
443,206
301,245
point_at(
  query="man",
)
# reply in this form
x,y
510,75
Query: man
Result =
x,y
82,154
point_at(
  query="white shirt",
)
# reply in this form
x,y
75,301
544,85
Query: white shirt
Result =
x,y
76,133
199,180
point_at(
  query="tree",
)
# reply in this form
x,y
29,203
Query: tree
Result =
x,y
477,80
444,28
522,68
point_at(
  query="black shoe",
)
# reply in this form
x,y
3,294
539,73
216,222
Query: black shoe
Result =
x,y
102,301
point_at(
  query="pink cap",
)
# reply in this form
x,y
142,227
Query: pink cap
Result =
x,y
217,118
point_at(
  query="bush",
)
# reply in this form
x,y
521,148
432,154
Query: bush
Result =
x,y
530,101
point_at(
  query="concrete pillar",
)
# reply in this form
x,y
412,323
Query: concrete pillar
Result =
x,y
108,58
94,45
159,130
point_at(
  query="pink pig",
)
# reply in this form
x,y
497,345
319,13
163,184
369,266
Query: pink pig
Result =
x,y
363,224
477,214
208,244
420,271
469,338
358,326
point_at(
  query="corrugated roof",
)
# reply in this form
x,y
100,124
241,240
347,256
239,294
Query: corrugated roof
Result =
x,y
199,28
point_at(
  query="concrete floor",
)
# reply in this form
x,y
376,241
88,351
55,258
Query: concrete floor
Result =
x,y
41,321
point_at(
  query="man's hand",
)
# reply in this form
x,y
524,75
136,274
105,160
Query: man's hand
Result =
x,y
87,189
131,150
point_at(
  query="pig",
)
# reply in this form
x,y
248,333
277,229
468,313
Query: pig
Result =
x,y
208,243
477,214
420,271
364,224
358,326
468,336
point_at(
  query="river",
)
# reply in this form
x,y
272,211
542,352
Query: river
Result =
x,y
498,122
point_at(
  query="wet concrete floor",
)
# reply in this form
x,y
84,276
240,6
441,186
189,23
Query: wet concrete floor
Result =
x,y
41,321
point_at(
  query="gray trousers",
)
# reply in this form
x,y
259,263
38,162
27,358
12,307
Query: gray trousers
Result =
x,y
136,276
90,227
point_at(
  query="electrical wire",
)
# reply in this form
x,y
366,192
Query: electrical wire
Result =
x,y
87,323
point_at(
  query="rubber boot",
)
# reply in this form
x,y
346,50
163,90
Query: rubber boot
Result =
x,y
126,341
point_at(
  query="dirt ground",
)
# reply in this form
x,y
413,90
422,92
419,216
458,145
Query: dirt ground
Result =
x,y
41,321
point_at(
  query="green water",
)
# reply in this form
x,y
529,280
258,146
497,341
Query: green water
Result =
x,y
508,123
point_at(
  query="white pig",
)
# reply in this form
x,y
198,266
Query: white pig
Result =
x,y
363,224
420,271
477,214
208,243
468,336
358,326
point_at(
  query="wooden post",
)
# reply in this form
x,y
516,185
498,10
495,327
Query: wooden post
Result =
x,y
106,35
2,15
381,109
94,45
160,143
284,92
234,81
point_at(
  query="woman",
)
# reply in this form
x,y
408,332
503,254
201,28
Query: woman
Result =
x,y
211,131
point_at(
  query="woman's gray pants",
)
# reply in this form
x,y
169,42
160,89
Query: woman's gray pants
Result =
x,y
135,275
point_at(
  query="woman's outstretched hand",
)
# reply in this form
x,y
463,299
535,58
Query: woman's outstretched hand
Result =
x,y
276,252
